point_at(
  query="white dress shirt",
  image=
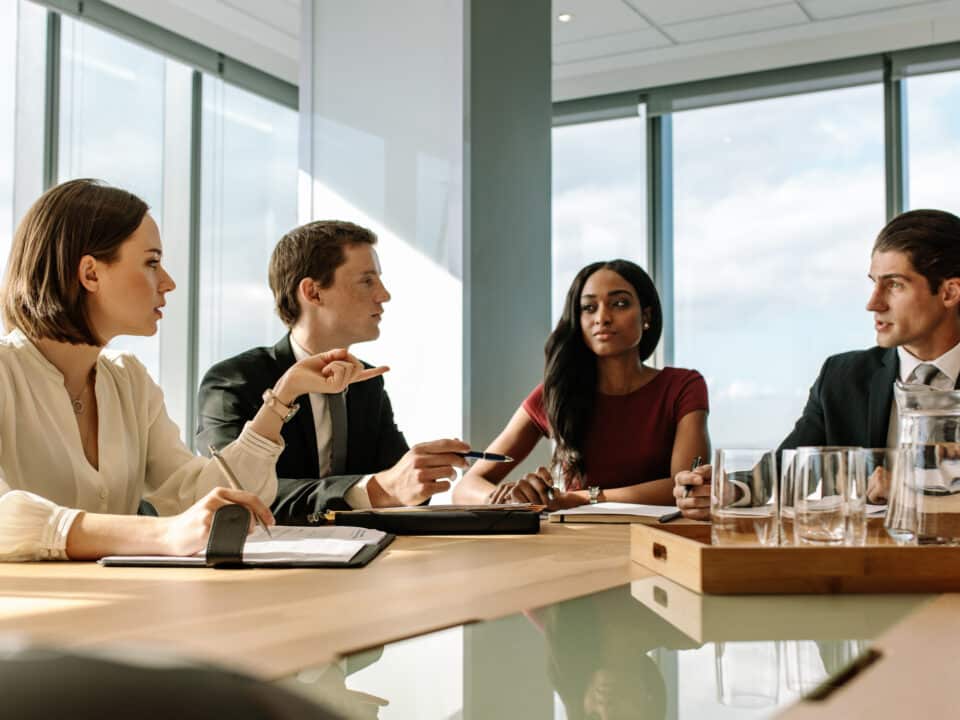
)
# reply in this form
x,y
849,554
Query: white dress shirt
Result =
x,y
357,496
45,478
949,366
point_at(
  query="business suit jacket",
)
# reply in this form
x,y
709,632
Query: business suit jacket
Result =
x,y
231,394
850,401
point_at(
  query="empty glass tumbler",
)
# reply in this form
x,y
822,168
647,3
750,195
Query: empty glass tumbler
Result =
x,y
743,497
830,496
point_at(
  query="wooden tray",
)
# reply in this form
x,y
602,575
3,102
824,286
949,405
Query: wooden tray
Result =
x,y
718,618
684,554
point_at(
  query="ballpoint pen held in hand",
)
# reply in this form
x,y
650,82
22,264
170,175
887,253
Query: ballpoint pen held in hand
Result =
x,y
686,492
234,483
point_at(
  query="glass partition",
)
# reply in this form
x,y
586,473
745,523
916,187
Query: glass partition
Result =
x,y
776,205
933,131
599,198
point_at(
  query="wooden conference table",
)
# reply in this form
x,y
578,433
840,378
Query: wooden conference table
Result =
x,y
272,623
275,623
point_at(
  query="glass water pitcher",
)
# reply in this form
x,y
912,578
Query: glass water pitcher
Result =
x,y
930,435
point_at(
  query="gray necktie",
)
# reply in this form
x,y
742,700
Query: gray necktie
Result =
x,y
924,374
338,417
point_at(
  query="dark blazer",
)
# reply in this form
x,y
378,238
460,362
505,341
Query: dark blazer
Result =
x,y
850,401
231,394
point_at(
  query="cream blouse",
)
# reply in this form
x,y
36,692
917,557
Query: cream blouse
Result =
x,y
45,478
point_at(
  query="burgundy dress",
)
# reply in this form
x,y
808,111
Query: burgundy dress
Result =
x,y
630,439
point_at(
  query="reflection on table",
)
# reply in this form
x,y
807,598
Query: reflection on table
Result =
x,y
651,649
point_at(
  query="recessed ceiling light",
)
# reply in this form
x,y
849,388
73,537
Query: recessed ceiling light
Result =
x,y
564,17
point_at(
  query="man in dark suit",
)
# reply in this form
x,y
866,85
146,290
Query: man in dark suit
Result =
x,y
915,269
341,451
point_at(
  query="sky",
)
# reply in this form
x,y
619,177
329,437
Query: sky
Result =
x,y
776,205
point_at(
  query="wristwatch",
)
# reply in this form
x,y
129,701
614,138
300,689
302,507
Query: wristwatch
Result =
x,y
286,412
594,491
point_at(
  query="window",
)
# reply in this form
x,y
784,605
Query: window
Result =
x,y
248,201
776,204
8,94
599,198
933,106
22,68
112,112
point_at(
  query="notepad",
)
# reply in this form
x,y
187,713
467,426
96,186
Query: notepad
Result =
x,y
612,512
290,546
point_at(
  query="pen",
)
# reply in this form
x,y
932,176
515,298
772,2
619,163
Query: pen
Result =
x,y
678,513
235,484
489,457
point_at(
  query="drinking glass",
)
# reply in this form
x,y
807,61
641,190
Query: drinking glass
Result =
x,y
830,496
787,475
803,666
885,470
747,673
743,497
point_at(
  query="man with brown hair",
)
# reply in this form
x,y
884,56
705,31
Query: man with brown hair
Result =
x,y
342,451
915,270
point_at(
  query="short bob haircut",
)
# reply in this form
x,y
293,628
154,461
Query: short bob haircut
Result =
x,y
42,295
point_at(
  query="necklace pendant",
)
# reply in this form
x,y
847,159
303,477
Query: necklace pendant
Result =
x,y
77,406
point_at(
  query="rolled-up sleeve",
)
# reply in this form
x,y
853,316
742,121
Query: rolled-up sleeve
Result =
x,y
32,527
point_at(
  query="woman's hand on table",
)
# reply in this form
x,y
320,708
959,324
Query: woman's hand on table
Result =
x,y
187,533
692,490
536,488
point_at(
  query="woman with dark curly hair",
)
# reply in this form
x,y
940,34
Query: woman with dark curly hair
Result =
x,y
621,428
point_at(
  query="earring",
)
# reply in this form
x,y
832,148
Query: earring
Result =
x,y
646,326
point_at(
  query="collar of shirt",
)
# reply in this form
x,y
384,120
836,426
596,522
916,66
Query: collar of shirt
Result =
x,y
948,363
300,353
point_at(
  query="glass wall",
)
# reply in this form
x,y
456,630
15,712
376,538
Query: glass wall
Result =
x,y
599,198
933,127
112,128
776,204
248,201
8,94
22,72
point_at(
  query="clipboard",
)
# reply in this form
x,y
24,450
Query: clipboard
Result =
x,y
228,535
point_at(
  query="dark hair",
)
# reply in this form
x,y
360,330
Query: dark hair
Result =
x,y
570,374
931,238
314,250
42,294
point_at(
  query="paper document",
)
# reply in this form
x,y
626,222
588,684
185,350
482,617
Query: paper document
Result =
x,y
617,508
334,544
321,544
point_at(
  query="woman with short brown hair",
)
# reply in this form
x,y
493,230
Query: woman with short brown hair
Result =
x,y
84,433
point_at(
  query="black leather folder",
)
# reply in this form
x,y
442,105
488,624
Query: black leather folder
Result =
x,y
437,521
228,533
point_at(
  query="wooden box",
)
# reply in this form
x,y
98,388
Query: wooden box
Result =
x,y
684,554
735,618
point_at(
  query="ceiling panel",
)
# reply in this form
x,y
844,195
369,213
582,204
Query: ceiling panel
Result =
x,y
737,24
592,18
608,45
826,9
281,14
664,12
